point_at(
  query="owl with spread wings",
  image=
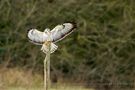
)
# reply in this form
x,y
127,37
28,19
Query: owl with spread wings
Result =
x,y
56,34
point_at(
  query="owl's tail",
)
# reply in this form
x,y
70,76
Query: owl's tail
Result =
x,y
46,49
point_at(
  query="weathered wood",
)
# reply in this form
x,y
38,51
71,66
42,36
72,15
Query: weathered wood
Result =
x,y
47,69
45,73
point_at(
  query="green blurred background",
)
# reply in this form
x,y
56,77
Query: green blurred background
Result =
x,y
99,54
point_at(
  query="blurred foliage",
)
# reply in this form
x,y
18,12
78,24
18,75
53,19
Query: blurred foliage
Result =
x,y
101,52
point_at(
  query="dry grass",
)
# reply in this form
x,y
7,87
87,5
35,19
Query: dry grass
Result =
x,y
58,88
18,79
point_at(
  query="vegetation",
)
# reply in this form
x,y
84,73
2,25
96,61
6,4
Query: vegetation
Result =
x,y
100,54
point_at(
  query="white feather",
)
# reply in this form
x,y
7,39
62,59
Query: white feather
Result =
x,y
56,34
61,31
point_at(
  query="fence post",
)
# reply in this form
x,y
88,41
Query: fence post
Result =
x,y
47,68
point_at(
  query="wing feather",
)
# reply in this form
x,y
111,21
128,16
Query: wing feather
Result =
x,y
61,31
57,34
37,37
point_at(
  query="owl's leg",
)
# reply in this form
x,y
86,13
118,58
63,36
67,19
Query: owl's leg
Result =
x,y
46,48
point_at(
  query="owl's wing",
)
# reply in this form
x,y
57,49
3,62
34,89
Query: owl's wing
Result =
x,y
61,31
37,37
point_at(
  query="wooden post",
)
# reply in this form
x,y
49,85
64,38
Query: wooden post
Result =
x,y
45,74
47,69
48,64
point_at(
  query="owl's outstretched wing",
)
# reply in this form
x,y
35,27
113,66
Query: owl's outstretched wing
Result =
x,y
37,37
61,31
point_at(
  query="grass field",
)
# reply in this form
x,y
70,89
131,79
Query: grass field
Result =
x,y
18,79
49,89
40,88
